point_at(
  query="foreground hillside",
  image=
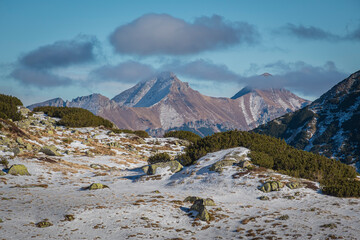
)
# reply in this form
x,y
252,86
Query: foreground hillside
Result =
x,y
54,201
329,126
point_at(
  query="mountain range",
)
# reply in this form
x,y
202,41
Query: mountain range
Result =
x,y
329,126
165,103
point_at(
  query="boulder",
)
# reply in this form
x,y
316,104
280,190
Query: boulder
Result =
x,y
293,185
18,169
191,199
272,186
174,166
20,141
145,169
95,186
24,111
206,202
244,164
199,206
44,224
50,150
96,166
218,166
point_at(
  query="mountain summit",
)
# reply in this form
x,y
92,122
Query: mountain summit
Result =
x,y
147,93
164,103
329,126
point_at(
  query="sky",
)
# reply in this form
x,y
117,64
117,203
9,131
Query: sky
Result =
x,y
69,48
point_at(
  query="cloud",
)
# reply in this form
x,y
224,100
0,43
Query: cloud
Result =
x,y
154,34
310,32
315,33
61,53
202,70
300,77
127,72
354,35
39,78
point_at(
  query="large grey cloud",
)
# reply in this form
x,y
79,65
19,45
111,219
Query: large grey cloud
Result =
x,y
127,72
202,70
153,34
39,78
61,53
300,77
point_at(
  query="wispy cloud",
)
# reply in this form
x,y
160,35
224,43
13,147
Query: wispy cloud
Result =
x,y
202,70
299,76
61,53
36,67
126,72
306,32
154,34
39,78
315,33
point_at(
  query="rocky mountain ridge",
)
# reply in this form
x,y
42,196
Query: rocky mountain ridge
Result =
x,y
165,103
329,126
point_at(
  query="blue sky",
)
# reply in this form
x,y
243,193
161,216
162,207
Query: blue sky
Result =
x,y
73,48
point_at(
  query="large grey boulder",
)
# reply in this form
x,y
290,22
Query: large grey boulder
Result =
x,y
173,166
18,169
50,150
199,206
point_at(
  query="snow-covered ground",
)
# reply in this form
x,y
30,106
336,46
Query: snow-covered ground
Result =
x,y
139,206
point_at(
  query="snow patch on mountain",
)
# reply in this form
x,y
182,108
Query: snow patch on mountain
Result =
x,y
169,117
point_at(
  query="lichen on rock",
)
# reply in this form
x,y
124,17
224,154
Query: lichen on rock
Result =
x,y
18,169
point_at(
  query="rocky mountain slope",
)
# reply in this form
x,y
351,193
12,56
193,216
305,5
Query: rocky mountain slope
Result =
x,y
165,103
329,126
90,185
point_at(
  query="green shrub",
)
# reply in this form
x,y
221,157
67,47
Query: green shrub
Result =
x,y
343,188
10,100
75,117
141,133
186,135
8,107
159,157
118,131
261,159
268,151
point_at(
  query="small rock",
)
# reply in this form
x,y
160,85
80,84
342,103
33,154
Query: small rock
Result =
x,y
44,224
16,151
244,164
95,186
264,198
69,217
20,141
293,185
96,166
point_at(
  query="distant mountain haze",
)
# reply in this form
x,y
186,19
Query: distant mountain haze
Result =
x,y
165,103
